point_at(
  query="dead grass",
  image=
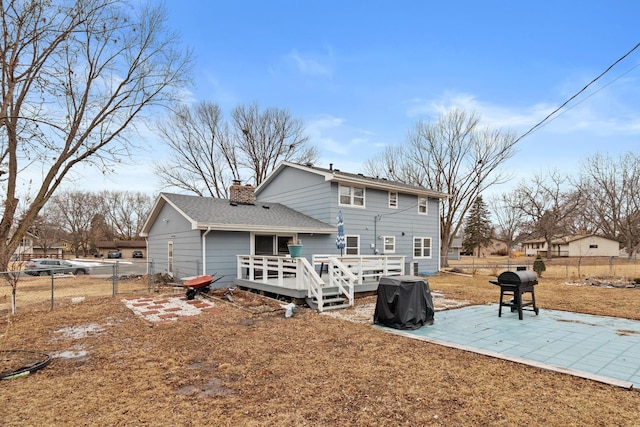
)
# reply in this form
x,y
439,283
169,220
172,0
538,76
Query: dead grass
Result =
x,y
245,364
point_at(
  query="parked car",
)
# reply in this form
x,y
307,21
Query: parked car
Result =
x,y
137,254
114,253
45,266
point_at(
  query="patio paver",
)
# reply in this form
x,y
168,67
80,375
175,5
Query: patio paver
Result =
x,y
601,348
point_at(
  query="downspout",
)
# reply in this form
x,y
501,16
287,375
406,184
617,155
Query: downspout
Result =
x,y
375,233
146,245
204,251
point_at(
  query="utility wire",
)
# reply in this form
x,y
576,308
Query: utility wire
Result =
x,y
574,96
594,93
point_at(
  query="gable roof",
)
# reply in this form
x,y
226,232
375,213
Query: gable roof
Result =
x,y
336,175
124,244
563,240
209,213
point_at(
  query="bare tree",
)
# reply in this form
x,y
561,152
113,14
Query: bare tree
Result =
x,y
202,159
207,153
100,230
452,155
509,217
612,196
262,139
76,77
46,231
124,212
549,203
73,211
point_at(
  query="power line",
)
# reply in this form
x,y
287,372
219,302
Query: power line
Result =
x,y
594,93
578,93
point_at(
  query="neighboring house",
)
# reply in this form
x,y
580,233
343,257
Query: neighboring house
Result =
x,y
494,247
383,220
578,245
125,246
29,248
455,250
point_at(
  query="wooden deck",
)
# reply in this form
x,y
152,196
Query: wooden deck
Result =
x,y
325,278
288,287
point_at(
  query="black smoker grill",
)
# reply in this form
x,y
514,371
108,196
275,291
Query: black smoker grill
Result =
x,y
514,284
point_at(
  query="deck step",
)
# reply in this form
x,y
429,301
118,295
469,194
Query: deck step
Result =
x,y
335,307
333,300
334,303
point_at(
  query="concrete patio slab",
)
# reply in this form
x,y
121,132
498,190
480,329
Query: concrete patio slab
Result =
x,y
600,348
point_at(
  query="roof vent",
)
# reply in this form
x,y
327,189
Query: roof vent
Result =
x,y
265,206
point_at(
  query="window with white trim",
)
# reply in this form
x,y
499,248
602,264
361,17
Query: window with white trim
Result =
x,y
422,205
422,247
353,245
389,244
170,257
351,196
393,200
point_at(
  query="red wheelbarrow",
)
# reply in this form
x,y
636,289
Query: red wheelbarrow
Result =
x,y
200,284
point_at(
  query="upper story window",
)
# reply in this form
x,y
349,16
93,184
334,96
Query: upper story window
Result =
x,y
393,200
422,205
351,196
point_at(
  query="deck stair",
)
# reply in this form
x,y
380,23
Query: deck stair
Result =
x,y
330,301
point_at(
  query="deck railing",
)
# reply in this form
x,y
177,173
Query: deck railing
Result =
x,y
366,266
267,269
344,273
342,278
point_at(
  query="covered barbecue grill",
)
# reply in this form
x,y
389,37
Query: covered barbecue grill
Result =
x,y
404,302
515,284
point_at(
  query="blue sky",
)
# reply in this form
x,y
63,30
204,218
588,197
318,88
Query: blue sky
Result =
x,y
362,73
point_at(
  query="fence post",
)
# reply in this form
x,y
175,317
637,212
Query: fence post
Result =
x,y
114,279
152,285
52,287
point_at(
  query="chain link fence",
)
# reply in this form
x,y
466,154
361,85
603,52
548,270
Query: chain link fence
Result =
x,y
573,268
48,286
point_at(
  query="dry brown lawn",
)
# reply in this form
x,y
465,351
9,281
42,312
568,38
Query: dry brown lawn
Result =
x,y
246,364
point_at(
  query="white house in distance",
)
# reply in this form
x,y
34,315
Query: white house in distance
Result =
x,y
578,245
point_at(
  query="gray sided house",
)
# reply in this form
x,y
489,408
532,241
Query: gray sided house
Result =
x,y
381,217
190,235
390,228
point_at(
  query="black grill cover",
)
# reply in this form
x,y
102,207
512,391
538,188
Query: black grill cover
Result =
x,y
404,302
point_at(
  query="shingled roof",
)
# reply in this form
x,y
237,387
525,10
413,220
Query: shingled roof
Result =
x,y
336,175
220,214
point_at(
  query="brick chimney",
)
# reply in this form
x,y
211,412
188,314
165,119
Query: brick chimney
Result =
x,y
241,194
